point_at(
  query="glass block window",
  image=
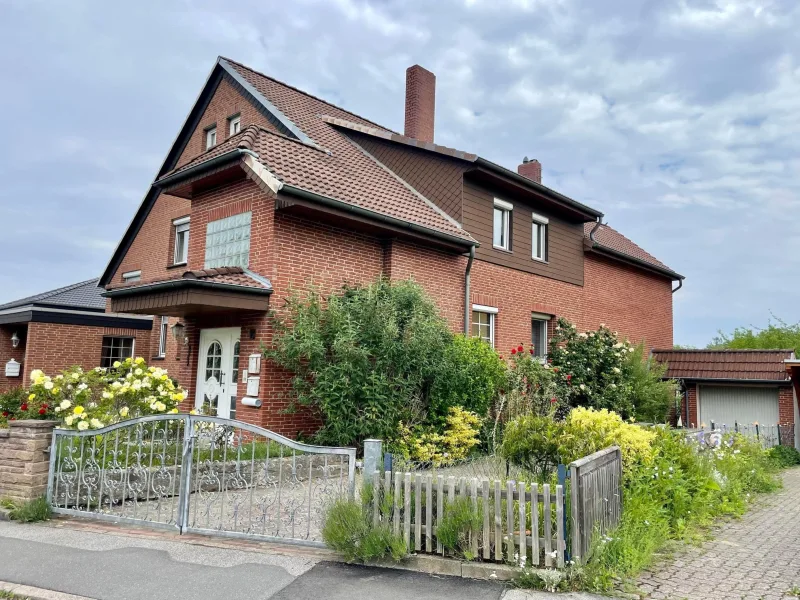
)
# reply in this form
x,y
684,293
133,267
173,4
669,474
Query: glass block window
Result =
x,y
228,242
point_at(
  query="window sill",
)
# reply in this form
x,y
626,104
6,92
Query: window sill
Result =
x,y
176,265
540,260
501,249
158,358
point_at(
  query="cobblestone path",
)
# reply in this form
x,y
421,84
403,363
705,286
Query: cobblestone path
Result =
x,y
754,558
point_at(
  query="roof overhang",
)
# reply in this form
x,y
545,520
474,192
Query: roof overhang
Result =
x,y
66,316
188,297
378,223
733,380
597,248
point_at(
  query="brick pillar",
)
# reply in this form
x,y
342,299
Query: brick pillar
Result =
x,y
25,459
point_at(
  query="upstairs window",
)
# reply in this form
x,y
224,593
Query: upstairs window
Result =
x,y
228,242
483,323
539,237
211,137
181,251
131,276
234,124
115,349
539,335
502,225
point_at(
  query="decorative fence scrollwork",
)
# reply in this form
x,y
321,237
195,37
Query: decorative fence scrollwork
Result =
x,y
199,474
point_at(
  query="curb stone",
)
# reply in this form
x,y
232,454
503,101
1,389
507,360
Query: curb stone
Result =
x,y
437,565
5,514
31,593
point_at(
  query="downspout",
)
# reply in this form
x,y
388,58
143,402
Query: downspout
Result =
x,y
594,230
680,285
467,304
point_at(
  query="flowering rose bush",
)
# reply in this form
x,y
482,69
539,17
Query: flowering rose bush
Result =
x,y
99,397
599,370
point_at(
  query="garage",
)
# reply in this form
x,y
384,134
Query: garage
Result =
x,y
728,404
727,388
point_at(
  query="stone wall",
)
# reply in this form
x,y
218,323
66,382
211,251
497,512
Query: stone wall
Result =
x,y
25,459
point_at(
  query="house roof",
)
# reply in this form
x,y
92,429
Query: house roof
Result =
x,y
609,239
309,153
727,365
222,277
84,295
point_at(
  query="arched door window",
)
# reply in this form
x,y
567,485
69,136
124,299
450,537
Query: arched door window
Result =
x,y
213,376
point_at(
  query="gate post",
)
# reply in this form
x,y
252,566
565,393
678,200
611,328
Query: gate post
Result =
x,y
185,489
25,459
373,457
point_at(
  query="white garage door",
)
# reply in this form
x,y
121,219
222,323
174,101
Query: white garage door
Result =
x,y
745,405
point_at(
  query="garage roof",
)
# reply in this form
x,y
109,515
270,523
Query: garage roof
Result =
x,y
744,365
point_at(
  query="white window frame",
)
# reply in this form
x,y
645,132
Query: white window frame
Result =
x,y
163,332
131,276
492,312
543,321
211,137
181,226
539,226
234,124
507,210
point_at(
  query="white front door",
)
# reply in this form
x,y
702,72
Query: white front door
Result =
x,y
218,371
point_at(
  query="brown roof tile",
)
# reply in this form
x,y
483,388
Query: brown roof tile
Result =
x,y
608,237
763,365
227,275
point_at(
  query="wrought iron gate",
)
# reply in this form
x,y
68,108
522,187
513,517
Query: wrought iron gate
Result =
x,y
199,474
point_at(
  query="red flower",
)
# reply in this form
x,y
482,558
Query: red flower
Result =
x,y
553,400
555,369
531,350
13,419
513,351
501,357
42,410
24,407
5,413
520,348
45,406
569,377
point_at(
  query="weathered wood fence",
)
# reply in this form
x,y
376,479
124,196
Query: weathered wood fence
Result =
x,y
522,523
595,498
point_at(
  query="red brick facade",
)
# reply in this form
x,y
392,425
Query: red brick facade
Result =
x,y
296,252
53,347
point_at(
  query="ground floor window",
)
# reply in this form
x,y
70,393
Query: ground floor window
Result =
x,y
539,335
114,349
162,337
483,318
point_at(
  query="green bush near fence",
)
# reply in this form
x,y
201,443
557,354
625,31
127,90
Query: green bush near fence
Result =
x,y
349,529
31,511
461,523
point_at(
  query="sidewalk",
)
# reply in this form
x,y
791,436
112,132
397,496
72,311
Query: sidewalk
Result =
x,y
105,562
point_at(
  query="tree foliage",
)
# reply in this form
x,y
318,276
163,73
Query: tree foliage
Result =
x,y
777,335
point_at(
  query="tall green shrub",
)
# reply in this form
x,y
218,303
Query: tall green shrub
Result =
x,y
371,357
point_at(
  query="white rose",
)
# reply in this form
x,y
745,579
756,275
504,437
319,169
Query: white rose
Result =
x,y
68,420
96,423
83,426
65,404
48,385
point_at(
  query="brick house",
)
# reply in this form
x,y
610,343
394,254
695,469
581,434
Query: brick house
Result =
x,y
64,327
736,388
268,189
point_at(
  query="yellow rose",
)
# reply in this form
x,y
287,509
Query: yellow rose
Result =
x,y
31,396
123,412
78,410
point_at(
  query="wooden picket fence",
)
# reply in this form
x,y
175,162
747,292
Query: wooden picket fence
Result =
x,y
522,523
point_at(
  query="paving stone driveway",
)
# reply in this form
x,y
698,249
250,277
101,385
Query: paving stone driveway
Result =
x,y
756,557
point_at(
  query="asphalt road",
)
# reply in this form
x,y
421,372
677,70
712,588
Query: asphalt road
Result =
x,y
106,567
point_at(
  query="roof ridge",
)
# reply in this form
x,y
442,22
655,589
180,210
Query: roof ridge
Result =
x,y
291,87
724,350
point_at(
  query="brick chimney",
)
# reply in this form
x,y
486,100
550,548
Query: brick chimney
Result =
x,y
532,169
420,103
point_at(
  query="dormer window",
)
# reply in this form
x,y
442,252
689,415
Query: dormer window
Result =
x,y
211,137
539,237
502,225
234,124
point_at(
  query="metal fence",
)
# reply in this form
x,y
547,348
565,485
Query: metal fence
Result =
x,y
595,498
199,474
521,523
768,435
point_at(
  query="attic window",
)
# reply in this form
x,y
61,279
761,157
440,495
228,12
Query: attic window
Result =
x,y
502,225
131,276
211,137
234,124
539,237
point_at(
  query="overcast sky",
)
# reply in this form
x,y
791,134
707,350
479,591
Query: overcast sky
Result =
x,y
679,119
